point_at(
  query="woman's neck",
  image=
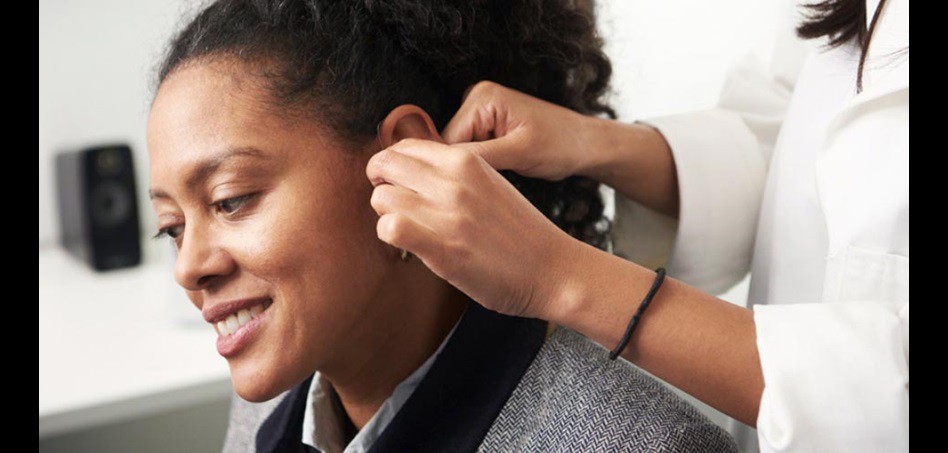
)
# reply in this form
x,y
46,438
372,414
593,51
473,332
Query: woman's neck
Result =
x,y
403,327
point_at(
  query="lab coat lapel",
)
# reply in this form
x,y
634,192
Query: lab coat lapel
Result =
x,y
862,174
886,68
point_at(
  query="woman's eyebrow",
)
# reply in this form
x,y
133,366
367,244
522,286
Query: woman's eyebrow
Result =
x,y
205,168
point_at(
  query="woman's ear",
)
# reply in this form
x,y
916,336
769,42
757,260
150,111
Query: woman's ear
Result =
x,y
407,121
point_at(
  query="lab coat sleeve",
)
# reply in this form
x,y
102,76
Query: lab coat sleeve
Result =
x,y
721,157
836,373
837,377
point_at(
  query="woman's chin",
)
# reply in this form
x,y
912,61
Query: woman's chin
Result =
x,y
255,390
255,385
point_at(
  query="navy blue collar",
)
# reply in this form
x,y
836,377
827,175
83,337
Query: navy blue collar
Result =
x,y
457,401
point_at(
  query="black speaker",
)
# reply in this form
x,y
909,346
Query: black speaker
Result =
x,y
98,209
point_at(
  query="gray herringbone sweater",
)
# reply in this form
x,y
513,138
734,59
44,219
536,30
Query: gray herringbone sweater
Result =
x,y
570,398
573,398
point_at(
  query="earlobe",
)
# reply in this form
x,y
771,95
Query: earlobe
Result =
x,y
407,121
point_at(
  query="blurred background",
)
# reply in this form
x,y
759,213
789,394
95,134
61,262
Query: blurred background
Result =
x,y
125,362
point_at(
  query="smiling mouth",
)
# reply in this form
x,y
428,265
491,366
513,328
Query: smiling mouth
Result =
x,y
230,325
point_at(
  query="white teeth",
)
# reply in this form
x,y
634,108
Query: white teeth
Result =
x,y
243,317
233,322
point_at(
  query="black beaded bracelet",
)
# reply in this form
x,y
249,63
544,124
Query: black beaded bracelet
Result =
x,y
659,278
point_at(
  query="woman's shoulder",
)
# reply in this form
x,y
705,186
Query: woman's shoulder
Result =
x,y
573,397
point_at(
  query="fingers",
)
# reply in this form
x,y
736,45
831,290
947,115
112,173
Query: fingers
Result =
x,y
476,120
447,158
500,153
401,231
394,166
428,151
469,124
483,125
387,199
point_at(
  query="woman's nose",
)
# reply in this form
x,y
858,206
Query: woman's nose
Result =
x,y
200,261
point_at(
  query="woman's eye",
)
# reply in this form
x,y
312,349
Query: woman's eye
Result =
x,y
231,205
172,231
227,206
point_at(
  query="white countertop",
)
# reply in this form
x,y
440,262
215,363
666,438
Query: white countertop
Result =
x,y
119,344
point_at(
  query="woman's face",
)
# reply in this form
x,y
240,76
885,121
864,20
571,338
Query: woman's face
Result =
x,y
275,234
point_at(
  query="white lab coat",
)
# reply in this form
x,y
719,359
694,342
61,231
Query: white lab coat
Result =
x,y
798,179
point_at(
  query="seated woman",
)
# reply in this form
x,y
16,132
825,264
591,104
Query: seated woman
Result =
x,y
264,119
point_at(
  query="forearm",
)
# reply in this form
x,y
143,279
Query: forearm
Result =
x,y
698,343
635,160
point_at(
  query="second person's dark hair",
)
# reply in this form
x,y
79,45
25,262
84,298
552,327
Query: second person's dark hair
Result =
x,y
349,63
841,21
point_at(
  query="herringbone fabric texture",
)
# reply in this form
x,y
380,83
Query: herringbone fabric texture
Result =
x,y
573,398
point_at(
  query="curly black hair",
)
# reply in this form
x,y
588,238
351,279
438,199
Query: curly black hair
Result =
x,y
351,62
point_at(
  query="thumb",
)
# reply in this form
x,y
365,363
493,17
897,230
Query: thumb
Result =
x,y
500,153
468,125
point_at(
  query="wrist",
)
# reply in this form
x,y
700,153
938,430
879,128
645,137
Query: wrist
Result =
x,y
559,301
596,293
636,161
596,156
576,274
614,147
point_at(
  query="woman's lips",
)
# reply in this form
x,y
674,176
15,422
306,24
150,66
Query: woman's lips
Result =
x,y
238,329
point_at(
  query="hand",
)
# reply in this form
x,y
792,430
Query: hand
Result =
x,y
468,224
515,131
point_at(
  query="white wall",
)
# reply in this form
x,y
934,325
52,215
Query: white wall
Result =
x,y
95,61
671,56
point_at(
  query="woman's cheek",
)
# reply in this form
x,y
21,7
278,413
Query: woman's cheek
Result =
x,y
292,236
260,242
